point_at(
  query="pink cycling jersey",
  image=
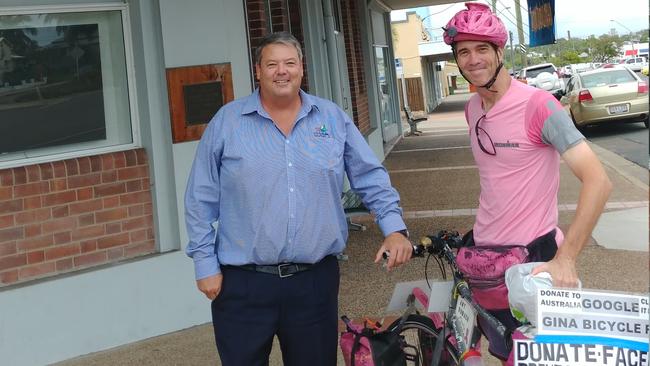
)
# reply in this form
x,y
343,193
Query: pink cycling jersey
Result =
x,y
519,184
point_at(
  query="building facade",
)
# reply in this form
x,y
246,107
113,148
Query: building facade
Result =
x,y
101,107
422,70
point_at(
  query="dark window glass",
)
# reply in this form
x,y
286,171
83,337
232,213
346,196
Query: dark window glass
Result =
x,y
50,87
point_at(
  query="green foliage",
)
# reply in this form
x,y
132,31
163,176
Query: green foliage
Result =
x,y
569,57
598,49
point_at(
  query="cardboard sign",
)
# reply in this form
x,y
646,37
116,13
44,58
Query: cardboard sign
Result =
x,y
439,296
593,315
465,319
531,353
578,327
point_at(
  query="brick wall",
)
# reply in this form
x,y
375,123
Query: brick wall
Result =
x,y
66,215
284,16
355,61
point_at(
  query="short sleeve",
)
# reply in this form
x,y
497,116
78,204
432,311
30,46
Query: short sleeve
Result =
x,y
547,123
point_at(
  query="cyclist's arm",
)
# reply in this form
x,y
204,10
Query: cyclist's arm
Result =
x,y
549,124
595,190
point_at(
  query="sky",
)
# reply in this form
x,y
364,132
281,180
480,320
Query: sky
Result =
x,y
581,17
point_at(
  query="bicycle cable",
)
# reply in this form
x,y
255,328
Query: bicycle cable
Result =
x,y
426,266
441,267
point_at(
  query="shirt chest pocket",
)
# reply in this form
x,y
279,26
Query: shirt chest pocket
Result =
x,y
324,153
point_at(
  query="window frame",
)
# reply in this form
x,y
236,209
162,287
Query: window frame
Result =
x,y
136,142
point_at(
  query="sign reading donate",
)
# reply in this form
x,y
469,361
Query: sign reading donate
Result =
x,y
587,328
593,314
530,353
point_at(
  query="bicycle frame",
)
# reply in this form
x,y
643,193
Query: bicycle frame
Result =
x,y
447,322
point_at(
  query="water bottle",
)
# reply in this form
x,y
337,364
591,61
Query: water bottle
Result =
x,y
472,358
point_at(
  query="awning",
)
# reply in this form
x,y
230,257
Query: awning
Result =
x,y
409,4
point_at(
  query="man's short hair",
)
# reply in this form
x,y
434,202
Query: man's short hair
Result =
x,y
284,38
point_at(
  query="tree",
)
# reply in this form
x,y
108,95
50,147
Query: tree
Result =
x,y
570,57
603,48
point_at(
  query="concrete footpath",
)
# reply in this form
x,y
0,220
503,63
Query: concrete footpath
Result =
x,y
438,183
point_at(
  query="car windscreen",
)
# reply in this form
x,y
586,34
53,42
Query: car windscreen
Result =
x,y
532,73
606,78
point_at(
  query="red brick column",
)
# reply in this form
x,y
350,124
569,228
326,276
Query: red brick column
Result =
x,y
66,215
281,19
356,66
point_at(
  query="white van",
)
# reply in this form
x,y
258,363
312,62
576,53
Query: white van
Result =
x,y
635,63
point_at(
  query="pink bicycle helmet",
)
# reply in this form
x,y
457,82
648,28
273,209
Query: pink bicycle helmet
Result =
x,y
476,23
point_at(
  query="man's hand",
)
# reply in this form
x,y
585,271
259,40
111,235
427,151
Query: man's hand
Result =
x,y
210,286
562,270
400,250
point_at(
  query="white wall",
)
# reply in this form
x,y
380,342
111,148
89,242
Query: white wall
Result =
x,y
211,31
57,319
99,309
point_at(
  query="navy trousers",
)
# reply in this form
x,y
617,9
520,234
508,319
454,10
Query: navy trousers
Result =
x,y
302,310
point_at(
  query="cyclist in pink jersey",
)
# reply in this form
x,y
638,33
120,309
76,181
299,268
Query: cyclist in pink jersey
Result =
x,y
518,134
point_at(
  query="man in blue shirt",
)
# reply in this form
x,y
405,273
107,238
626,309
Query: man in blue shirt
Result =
x,y
269,170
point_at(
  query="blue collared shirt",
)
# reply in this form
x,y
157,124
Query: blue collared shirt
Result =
x,y
277,198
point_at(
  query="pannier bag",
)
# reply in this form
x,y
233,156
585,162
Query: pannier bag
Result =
x,y
364,345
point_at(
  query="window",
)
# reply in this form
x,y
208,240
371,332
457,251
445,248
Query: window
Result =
x,y
571,85
64,88
384,79
533,72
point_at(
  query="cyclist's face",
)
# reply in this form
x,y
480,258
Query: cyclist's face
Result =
x,y
478,60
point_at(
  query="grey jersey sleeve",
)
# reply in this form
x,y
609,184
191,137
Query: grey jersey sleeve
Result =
x,y
560,131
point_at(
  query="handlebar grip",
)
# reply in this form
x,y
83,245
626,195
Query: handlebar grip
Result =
x,y
418,251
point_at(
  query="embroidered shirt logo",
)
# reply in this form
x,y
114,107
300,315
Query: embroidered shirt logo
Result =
x,y
508,144
321,131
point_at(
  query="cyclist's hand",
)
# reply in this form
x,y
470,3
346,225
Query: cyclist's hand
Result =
x,y
562,271
210,286
400,250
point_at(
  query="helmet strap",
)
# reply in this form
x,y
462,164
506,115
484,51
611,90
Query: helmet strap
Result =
x,y
489,84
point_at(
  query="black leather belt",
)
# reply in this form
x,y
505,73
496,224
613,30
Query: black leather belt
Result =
x,y
281,270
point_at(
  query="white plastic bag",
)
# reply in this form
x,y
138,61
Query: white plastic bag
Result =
x,y
522,291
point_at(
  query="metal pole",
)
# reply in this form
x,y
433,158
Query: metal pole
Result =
x,y
512,54
520,32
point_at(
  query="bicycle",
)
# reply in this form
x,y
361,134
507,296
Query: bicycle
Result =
x,y
438,339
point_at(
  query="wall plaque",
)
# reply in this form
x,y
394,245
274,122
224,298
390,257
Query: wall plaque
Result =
x,y
195,94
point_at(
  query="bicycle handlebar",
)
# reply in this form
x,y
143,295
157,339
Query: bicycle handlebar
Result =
x,y
434,244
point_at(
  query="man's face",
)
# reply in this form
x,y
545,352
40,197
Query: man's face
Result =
x,y
279,71
478,60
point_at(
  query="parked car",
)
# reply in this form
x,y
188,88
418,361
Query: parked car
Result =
x,y
569,70
543,76
606,94
635,63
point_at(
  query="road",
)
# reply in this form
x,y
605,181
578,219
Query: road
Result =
x,y
630,140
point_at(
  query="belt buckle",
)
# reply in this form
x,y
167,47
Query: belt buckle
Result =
x,y
281,273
